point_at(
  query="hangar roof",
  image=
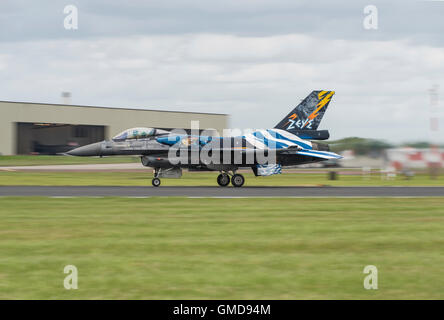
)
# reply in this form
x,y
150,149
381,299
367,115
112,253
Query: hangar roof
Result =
x,y
112,108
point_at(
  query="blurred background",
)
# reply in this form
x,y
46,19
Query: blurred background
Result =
x,y
80,71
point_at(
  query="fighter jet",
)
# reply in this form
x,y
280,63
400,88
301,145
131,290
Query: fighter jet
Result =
x,y
265,151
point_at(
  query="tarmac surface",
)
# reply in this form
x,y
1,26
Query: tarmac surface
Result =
x,y
219,192
138,167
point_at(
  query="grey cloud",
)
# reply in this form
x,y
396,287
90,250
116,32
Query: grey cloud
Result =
x,y
419,21
381,86
251,59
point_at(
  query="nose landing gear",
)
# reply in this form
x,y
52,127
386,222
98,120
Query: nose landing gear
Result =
x,y
170,172
155,182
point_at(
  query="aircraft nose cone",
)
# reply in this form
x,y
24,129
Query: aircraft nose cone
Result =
x,y
85,151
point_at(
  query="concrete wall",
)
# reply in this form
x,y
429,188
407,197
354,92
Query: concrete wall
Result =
x,y
115,119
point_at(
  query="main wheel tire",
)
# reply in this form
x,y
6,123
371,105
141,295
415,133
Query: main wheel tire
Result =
x,y
156,182
237,180
223,180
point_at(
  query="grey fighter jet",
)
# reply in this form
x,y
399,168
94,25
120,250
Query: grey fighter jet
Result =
x,y
264,151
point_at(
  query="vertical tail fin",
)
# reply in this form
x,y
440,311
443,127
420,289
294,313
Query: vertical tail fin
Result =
x,y
308,114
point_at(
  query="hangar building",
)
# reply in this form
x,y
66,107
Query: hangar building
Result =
x,y
38,128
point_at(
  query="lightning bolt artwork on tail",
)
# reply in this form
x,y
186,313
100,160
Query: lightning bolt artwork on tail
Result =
x,y
308,114
324,100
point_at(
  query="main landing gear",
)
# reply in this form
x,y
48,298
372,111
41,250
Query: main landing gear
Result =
x,y
223,179
237,180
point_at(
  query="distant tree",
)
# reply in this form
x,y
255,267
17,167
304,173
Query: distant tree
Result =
x,y
418,145
361,146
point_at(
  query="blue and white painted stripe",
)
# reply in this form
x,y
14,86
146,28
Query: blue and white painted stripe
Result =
x,y
269,141
251,139
285,135
275,139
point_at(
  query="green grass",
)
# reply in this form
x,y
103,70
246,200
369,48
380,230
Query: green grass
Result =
x,y
27,160
143,178
178,248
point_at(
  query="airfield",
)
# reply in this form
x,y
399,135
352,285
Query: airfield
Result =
x,y
292,236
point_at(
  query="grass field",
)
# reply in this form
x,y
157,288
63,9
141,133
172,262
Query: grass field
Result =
x,y
143,178
161,248
36,160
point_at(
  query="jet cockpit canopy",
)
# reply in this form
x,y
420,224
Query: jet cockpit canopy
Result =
x,y
135,133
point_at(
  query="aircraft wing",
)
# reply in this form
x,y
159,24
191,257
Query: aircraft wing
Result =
x,y
327,155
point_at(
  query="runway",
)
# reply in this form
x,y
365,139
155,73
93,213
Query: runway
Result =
x,y
229,192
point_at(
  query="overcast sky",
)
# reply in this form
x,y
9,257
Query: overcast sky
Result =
x,y
254,60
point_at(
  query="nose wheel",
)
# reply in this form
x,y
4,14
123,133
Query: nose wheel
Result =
x,y
155,182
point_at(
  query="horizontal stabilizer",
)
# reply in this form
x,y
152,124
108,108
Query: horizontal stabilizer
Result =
x,y
320,154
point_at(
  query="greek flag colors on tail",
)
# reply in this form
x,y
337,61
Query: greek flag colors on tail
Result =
x,y
264,151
